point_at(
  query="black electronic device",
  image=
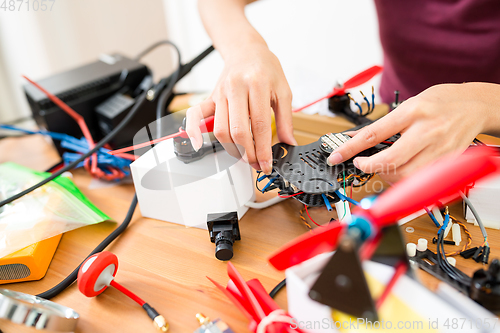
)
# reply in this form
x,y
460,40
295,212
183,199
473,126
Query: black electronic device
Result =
x,y
111,111
184,149
303,172
224,231
83,88
341,106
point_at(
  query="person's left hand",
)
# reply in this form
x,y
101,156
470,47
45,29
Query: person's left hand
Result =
x,y
442,119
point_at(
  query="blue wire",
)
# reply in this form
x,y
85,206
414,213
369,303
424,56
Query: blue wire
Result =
x,y
360,109
327,203
345,198
262,178
373,99
368,104
445,223
269,184
432,217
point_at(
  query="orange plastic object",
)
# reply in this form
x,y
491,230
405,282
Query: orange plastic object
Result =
x,y
30,263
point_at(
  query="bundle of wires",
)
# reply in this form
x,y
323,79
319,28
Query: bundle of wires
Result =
x,y
460,277
90,162
370,106
94,148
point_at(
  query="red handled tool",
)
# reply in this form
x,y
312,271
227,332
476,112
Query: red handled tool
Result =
x,y
440,181
353,82
98,272
253,301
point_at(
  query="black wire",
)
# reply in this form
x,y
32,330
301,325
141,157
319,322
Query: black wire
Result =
x,y
152,47
162,101
165,95
454,273
278,287
479,142
56,290
257,181
98,146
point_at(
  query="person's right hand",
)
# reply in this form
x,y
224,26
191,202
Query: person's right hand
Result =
x,y
251,85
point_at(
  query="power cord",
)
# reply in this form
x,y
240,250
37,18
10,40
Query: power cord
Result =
x,y
162,101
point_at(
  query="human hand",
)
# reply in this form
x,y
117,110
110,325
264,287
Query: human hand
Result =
x,y
251,85
442,119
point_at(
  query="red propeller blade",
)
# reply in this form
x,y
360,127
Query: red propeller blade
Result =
x,y
432,183
354,81
362,77
305,247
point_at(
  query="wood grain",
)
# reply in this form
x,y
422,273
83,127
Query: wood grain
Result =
x,y
167,264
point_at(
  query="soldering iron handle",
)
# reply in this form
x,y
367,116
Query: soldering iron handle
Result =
x,y
442,180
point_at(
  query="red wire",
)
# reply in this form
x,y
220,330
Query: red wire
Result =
x,y
388,142
333,93
144,144
73,114
400,269
94,169
311,218
127,292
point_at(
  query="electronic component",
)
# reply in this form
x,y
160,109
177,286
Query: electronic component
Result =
x,y
185,151
396,102
98,272
83,88
224,231
207,326
485,287
302,172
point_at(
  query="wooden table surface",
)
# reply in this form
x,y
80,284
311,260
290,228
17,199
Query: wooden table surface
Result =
x,y
167,264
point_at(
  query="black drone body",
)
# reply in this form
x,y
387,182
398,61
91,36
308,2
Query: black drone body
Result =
x,y
303,171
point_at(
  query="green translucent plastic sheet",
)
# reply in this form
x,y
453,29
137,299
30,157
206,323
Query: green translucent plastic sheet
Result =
x,y
55,208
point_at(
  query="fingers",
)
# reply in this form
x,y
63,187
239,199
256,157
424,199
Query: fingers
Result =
x,y
368,137
260,115
194,115
395,156
283,112
426,156
239,122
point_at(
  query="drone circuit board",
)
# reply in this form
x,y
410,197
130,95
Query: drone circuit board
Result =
x,y
302,172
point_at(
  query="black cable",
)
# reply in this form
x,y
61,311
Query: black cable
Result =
x,y
454,273
278,287
56,290
152,47
479,142
165,95
72,277
98,146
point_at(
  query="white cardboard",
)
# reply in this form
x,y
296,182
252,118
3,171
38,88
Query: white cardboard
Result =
x,y
170,190
428,305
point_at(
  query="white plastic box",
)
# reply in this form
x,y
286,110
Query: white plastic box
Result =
x,y
172,191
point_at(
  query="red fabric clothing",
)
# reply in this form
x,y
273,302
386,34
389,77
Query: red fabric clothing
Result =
x,y
428,42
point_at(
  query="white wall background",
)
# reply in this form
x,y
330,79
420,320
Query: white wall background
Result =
x,y
75,32
317,41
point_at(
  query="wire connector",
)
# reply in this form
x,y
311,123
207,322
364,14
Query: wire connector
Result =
x,y
161,323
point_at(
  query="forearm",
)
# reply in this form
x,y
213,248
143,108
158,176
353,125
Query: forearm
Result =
x,y
227,25
488,97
